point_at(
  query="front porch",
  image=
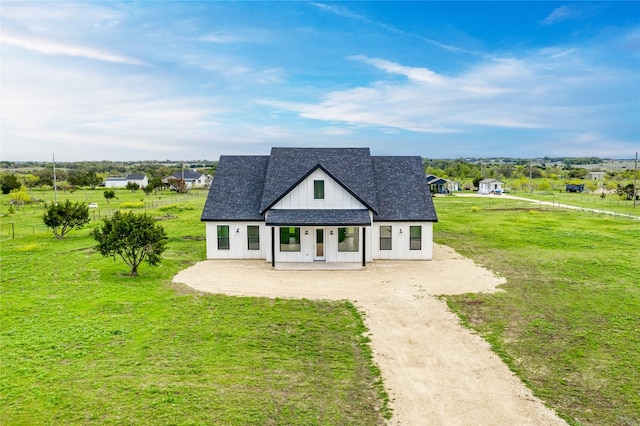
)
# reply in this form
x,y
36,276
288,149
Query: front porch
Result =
x,y
319,266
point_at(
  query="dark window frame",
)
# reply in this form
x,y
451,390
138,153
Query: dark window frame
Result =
x,y
286,233
222,239
253,237
318,189
415,241
386,243
343,234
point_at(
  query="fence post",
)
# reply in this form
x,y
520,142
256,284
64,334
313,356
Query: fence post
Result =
x,y
13,231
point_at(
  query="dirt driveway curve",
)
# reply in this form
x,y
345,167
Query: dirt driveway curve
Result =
x,y
436,372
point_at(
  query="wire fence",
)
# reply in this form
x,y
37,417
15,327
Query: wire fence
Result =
x,y
27,220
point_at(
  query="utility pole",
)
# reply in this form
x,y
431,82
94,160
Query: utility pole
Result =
x,y
530,179
635,180
55,184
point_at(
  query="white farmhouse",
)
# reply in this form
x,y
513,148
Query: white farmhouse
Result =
x,y
490,186
121,182
313,205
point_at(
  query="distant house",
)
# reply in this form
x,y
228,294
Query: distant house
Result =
x,y
439,185
490,186
332,205
596,175
192,179
121,182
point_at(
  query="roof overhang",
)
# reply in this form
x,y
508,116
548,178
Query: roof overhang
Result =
x,y
318,217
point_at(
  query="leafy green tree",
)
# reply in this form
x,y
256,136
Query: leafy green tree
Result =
x,y
626,191
109,194
9,182
19,197
133,237
132,186
148,189
62,218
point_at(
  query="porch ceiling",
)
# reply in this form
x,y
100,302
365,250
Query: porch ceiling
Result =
x,y
320,217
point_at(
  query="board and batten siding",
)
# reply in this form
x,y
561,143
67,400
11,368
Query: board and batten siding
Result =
x,y
335,196
400,239
238,241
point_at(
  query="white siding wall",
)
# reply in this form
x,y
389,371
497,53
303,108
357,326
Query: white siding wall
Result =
x,y
335,197
238,242
308,246
115,183
400,241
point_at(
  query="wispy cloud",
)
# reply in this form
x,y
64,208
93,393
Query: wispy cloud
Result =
x,y
50,47
569,13
238,35
548,89
347,13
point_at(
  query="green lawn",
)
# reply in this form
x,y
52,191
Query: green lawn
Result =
x,y
610,203
568,321
82,342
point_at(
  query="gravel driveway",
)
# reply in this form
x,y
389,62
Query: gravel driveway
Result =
x,y
436,372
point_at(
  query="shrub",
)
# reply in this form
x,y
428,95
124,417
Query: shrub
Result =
x,y
132,205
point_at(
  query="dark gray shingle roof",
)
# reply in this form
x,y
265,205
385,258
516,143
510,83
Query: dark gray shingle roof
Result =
x,y
236,191
188,174
135,177
403,192
320,217
394,188
351,167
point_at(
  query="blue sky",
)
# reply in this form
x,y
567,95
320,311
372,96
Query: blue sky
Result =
x,y
195,80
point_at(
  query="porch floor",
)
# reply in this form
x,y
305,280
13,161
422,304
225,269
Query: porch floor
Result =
x,y
319,266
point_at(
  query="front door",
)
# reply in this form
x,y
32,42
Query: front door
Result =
x,y
319,251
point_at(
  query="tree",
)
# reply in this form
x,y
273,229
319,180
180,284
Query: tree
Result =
x,y
8,183
133,186
19,197
148,189
133,237
179,185
626,191
109,194
62,218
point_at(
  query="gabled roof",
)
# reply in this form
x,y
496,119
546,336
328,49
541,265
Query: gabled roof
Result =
x,y
403,192
488,180
188,174
435,180
236,191
350,167
247,187
136,177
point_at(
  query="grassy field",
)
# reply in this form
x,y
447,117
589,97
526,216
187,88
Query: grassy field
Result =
x,y
591,201
82,342
568,322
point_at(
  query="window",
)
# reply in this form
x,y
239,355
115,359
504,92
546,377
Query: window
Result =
x,y
318,190
385,238
253,237
223,237
290,239
415,238
348,239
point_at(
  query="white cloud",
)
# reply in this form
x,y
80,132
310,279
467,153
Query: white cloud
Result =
x,y
568,13
549,89
50,47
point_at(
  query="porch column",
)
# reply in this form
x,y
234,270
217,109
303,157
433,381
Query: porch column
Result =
x,y
273,247
364,246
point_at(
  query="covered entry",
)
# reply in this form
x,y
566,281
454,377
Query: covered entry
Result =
x,y
320,235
